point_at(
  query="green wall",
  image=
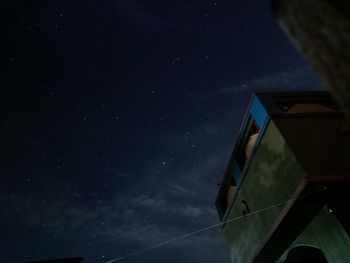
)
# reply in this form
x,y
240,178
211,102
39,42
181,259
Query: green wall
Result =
x,y
272,178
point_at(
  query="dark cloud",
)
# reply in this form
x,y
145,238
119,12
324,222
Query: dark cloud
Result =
x,y
166,202
302,78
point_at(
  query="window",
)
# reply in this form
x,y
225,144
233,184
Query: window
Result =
x,y
242,153
248,142
229,195
226,195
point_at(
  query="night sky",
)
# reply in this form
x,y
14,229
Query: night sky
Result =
x,y
118,117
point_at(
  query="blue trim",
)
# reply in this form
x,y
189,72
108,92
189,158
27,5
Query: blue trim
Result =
x,y
257,111
242,174
236,171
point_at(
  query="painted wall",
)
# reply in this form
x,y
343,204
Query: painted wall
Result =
x,y
271,179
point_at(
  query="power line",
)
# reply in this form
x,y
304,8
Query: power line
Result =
x,y
209,227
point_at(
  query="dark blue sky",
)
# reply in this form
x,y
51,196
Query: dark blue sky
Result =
x,y
118,118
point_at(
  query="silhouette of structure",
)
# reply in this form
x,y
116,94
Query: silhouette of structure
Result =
x,y
292,146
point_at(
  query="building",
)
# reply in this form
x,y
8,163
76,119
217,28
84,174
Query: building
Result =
x,y
63,260
285,190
